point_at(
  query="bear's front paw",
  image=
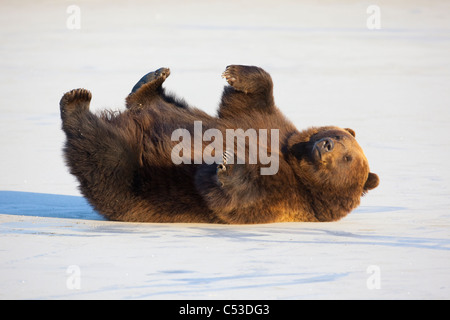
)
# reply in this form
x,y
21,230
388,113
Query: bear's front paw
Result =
x,y
248,79
221,170
243,78
75,100
231,75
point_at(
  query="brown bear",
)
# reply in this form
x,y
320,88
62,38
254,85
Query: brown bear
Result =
x,y
161,160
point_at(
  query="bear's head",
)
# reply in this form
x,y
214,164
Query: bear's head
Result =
x,y
328,159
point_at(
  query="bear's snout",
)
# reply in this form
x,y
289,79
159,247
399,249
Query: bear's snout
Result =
x,y
323,146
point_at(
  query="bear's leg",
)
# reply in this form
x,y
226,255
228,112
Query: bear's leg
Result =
x,y
100,154
251,90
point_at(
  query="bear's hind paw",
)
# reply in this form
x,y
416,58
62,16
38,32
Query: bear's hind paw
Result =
x,y
157,77
75,100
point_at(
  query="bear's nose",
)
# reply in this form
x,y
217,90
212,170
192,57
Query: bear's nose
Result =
x,y
324,145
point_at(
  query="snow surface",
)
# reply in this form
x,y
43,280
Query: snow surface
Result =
x,y
390,85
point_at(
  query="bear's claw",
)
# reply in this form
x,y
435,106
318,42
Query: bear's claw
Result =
x,y
222,167
228,74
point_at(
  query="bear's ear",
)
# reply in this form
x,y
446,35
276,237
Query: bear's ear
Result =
x,y
351,131
372,182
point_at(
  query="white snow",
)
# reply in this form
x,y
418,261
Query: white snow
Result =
x,y
390,85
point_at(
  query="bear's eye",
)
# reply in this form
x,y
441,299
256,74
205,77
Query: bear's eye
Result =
x,y
348,158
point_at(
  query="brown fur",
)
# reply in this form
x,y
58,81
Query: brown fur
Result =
x,y
123,159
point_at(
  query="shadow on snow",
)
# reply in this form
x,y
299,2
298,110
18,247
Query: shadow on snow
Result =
x,y
46,205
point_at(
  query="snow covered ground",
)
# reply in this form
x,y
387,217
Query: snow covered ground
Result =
x,y
391,85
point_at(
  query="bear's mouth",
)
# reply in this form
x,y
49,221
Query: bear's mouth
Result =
x,y
316,155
